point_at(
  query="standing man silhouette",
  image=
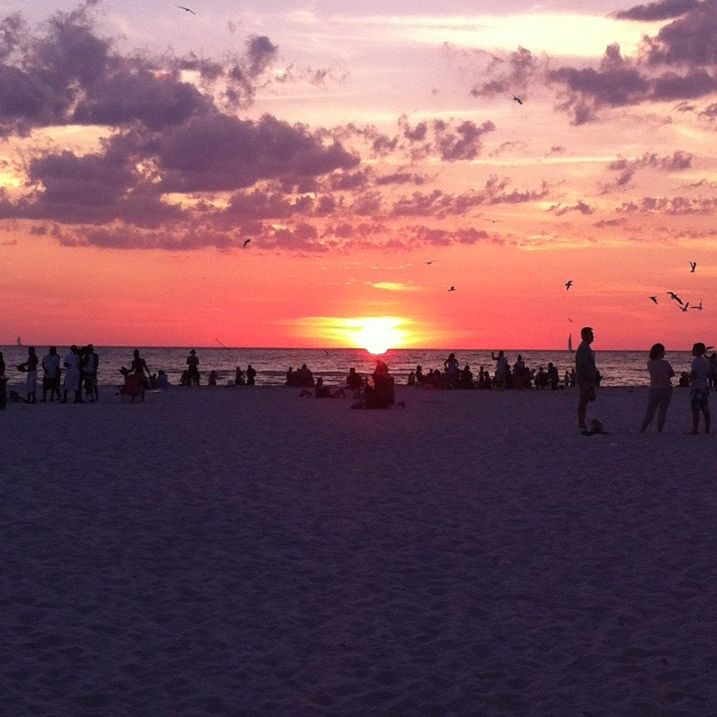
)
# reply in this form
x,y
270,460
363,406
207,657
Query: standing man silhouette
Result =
x,y
585,373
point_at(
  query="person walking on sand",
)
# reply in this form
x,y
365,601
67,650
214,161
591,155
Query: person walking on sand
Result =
x,y
71,363
699,388
661,373
585,373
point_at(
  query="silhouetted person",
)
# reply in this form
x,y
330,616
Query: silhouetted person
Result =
x,y
250,375
30,367
90,366
661,374
51,374
699,387
450,374
291,377
71,362
193,368
383,393
500,377
585,373
212,380
162,380
239,377
553,376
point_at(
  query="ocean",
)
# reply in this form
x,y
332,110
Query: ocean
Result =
x,y
618,368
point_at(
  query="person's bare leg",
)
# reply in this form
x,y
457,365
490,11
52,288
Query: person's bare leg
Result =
x,y
707,416
695,421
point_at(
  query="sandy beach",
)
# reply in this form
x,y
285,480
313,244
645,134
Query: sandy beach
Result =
x,y
246,552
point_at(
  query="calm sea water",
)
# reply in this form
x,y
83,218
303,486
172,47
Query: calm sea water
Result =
x,y
619,368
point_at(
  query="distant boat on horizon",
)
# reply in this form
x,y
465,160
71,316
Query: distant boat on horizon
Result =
x,y
570,343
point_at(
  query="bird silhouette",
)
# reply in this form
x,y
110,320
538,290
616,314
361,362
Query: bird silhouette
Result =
x,y
517,99
246,243
693,266
654,298
568,284
685,307
674,297
186,9
698,307
452,288
430,262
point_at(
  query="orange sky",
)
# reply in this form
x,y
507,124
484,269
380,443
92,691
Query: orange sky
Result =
x,y
352,149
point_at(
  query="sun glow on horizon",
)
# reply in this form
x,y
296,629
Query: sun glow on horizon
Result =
x,y
376,334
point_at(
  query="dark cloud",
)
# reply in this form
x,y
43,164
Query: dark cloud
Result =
x,y
675,162
440,205
609,223
580,206
663,10
443,237
508,74
461,142
670,206
689,40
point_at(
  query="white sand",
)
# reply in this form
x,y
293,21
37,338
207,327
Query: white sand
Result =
x,y
245,552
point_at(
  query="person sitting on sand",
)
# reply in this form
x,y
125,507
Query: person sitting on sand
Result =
x,y
381,393
465,379
162,380
411,380
321,391
553,376
699,388
420,378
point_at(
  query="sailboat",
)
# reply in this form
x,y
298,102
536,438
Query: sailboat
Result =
x,y
570,343
18,342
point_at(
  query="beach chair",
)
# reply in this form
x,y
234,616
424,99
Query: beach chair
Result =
x,y
132,387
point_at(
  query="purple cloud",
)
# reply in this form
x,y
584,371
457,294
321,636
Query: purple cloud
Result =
x,y
654,11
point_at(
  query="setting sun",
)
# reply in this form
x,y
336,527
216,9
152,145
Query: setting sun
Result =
x,y
378,335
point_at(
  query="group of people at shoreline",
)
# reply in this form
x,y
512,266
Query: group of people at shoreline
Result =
x,y
80,365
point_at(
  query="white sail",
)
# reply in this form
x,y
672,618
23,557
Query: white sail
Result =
x,y
19,341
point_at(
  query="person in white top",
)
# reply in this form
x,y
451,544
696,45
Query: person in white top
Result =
x,y
661,373
699,387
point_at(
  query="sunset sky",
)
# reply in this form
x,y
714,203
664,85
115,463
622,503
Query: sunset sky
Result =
x,y
352,144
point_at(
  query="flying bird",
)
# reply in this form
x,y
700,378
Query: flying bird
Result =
x,y
654,298
568,284
674,297
246,243
693,266
517,99
186,9
685,307
430,262
452,288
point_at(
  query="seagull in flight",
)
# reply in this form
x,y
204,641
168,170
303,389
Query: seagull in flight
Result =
x,y
246,243
430,262
699,306
452,288
568,284
517,99
654,298
693,266
186,9
674,297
